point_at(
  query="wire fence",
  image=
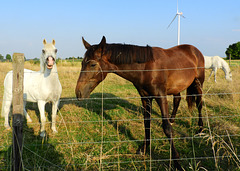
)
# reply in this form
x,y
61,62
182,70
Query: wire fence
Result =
x,y
102,150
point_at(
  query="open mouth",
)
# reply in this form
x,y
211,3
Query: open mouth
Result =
x,y
50,62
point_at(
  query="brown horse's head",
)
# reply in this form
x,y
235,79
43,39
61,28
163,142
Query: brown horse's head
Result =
x,y
95,67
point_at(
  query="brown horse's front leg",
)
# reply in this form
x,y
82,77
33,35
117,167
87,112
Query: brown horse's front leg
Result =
x,y
176,101
147,105
167,128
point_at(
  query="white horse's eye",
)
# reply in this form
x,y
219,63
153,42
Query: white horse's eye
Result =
x,y
43,51
55,50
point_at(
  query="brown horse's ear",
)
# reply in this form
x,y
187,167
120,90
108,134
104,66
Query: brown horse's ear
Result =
x,y
103,42
86,44
53,42
44,41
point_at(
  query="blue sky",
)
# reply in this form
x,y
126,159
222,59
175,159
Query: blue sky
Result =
x,y
210,25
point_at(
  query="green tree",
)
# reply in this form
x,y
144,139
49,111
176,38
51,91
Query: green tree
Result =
x,y
1,57
8,57
234,50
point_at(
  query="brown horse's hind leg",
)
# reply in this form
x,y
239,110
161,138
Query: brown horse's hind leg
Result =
x,y
167,128
176,101
199,103
195,91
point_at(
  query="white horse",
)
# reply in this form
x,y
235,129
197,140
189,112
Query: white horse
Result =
x,y
215,63
41,87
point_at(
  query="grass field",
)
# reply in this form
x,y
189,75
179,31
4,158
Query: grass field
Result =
x,y
104,132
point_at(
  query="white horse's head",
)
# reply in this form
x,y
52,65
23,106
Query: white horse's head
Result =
x,y
48,57
229,76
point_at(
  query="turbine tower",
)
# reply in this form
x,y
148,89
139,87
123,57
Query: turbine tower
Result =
x,y
178,14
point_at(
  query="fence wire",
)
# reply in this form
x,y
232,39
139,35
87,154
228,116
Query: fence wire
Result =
x,y
103,142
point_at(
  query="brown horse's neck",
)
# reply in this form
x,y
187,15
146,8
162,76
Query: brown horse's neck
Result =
x,y
136,71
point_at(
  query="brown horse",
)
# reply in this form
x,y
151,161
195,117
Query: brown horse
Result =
x,y
155,72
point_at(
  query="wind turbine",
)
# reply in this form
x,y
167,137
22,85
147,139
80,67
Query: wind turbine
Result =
x,y
178,14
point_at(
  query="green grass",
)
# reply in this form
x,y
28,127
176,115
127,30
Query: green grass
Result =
x,y
78,143
234,62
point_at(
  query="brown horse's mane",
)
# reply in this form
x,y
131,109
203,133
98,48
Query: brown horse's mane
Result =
x,y
129,54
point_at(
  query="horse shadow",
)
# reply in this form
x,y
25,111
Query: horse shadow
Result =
x,y
111,102
34,107
37,154
93,104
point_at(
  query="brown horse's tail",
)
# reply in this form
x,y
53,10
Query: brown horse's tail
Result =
x,y
194,90
191,98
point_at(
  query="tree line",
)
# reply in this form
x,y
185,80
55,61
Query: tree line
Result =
x,y
233,50
8,57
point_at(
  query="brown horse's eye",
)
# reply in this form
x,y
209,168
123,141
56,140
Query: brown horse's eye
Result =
x,y
43,51
93,65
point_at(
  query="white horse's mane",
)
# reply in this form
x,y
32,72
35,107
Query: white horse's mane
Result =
x,y
216,62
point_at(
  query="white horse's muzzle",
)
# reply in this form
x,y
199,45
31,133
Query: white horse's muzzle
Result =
x,y
50,62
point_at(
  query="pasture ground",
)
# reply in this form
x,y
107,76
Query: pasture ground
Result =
x,y
104,132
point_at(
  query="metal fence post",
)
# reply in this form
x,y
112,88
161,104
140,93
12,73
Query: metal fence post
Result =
x,y
17,110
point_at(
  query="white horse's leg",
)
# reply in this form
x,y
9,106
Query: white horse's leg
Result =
x,y
6,113
41,107
215,75
54,114
210,75
29,120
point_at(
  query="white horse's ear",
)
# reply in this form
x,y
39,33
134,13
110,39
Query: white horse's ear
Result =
x,y
53,42
44,41
86,44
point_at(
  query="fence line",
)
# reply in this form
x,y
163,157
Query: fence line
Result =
x,y
129,120
201,136
128,70
135,161
64,99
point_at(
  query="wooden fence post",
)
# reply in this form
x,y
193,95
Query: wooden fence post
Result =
x,y
17,110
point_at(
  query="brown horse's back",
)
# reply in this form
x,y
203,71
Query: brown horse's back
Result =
x,y
179,67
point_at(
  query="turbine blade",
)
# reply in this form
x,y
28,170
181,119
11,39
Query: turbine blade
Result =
x,y
172,21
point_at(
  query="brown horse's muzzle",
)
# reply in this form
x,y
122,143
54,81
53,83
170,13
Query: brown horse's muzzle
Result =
x,y
83,91
78,95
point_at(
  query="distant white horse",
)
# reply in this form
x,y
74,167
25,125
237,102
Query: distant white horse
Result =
x,y
41,87
215,63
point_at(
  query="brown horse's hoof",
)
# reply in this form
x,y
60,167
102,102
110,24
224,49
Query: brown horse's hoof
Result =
x,y
200,130
178,166
171,120
141,151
